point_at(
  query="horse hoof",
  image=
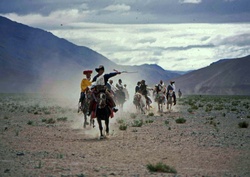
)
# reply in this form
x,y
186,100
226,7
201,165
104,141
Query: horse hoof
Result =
x,y
101,137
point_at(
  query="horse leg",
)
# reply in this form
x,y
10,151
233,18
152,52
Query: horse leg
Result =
x,y
85,121
100,127
107,125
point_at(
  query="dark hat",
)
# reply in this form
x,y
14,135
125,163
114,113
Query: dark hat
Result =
x,y
172,82
99,68
87,72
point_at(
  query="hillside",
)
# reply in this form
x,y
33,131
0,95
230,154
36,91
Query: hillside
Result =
x,y
225,77
34,60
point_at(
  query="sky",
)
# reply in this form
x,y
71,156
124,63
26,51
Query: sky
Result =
x,y
175,34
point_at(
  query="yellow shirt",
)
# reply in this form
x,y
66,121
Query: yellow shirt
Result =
x,y
84,84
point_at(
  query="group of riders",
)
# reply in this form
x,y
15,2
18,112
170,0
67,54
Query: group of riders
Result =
x,y
101,82
160,89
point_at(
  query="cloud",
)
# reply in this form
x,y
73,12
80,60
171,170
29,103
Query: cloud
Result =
x,y
117,7
140,11
133,32
190,1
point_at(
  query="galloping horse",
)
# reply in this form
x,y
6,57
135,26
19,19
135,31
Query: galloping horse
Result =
x,y
139,103
85,108
120,98
179,93
170,100
103,112
160,99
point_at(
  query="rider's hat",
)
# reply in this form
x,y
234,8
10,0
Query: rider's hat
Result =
x,y
99,68
172,82
87,72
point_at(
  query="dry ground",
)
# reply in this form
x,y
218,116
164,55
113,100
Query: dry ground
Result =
x,y
41,136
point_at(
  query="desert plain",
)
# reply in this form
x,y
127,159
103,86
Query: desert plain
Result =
x,y
203,135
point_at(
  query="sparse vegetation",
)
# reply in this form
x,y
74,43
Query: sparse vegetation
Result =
x,y
161,167
30,122
151,114
137,123
243,124
123,127
180,120
62,119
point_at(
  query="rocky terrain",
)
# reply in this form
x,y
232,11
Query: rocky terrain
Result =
x,y
201,136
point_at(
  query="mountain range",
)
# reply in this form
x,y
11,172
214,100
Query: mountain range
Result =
x,y
224,77
34,60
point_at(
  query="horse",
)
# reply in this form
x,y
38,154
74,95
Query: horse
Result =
x,y
160,99
85,107
103,112
139,102
170,99
179,93
120,98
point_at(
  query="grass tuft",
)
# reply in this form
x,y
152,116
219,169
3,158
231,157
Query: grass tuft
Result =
x,y
160,167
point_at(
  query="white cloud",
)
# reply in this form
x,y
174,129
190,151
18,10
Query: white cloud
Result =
x,y
117,7
172,46
190,1
175,46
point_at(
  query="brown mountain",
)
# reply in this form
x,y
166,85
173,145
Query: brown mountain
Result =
x,y
225,77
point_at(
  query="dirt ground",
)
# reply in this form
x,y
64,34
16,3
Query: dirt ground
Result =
x,y
44,136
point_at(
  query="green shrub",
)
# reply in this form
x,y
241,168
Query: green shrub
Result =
x,y
180,120
151,114
243,124
137,123
166,122
63,119
50,121
123,127
149,121
30,122
160,167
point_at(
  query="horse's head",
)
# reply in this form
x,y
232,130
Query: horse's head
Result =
x,y
102,100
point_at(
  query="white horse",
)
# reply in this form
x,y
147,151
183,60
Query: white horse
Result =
x,y
139,102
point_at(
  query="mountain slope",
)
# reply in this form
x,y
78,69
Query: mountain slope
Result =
x,y
34,60
227,77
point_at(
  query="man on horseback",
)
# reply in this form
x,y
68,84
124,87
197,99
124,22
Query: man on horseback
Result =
x,y
143,90
111,88
171,86
84,87
137,87
100,81
119,85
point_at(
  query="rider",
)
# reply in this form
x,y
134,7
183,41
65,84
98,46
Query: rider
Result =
x,y
137,87
126,91
119,85
111,88
171,86
143,90
101,80
161,86
84,87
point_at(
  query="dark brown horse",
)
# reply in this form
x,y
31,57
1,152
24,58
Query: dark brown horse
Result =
x,y
103,112
170,100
